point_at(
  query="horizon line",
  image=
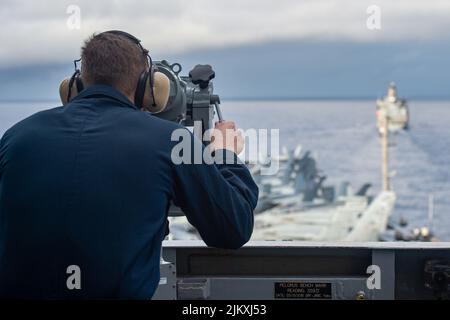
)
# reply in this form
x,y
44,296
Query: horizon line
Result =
x,y
274,98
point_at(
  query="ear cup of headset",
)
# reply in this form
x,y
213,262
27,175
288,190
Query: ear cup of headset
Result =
x,y
161,91
69,88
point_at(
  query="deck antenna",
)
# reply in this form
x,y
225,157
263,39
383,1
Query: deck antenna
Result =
x,y
430,211
385,154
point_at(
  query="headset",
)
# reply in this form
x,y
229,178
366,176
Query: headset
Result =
x,y
154,99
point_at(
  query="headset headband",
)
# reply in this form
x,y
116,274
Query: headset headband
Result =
x,y
133,39
129,36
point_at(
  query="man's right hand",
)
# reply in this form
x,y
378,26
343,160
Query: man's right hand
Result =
x,y
226,136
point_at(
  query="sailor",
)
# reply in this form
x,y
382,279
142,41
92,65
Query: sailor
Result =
x,y
85,188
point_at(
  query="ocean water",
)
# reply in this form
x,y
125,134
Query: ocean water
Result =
x,y
342,136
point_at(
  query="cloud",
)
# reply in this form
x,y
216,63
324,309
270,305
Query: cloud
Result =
x,y
36,31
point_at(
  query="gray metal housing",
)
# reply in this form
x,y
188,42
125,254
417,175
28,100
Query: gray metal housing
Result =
x,y
195,271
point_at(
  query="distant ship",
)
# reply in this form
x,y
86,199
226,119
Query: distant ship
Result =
x,y
394,109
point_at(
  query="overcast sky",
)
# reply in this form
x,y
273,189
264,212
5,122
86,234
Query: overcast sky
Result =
x,y
36,32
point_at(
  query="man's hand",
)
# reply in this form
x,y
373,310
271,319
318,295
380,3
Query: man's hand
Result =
x,y
225,136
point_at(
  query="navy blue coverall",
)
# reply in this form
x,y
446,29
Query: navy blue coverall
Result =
x,y
89,184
